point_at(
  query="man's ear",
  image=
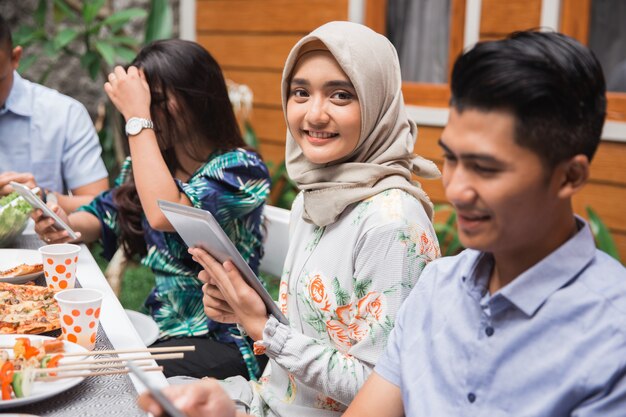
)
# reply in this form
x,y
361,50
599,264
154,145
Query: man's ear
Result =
x,y
16,55
574,175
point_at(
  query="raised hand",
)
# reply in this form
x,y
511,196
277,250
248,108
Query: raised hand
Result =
x,y
129,92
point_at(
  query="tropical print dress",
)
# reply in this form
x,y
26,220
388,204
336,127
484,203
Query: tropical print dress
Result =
x,y
233,186
341,288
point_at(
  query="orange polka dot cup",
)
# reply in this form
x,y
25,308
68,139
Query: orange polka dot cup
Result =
x,y
59,265
80,314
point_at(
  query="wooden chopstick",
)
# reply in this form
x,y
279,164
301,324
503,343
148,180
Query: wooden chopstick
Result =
x,y
80,367
116,351
141,350
82,375
163,356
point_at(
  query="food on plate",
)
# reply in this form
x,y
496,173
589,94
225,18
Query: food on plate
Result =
x,y
14,212
22,269
27,309
19,369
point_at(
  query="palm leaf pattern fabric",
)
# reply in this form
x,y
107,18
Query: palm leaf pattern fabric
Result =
x,y
233,186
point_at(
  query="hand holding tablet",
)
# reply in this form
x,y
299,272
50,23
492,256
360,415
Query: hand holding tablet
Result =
x,y
37,203
198,228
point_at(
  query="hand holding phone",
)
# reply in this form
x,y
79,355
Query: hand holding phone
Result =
x,y
34,200
168,407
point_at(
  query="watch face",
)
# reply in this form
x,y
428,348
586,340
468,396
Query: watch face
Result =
x,y
133,126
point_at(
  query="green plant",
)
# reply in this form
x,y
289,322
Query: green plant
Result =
x,y
447,233
98,37
602,235
284,189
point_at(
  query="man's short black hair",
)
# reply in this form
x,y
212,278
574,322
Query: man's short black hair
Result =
x,y
6,41
553,85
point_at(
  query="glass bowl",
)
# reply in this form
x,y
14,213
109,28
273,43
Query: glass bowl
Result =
x,y
14,214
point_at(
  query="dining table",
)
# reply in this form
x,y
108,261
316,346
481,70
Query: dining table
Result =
x,y
110,395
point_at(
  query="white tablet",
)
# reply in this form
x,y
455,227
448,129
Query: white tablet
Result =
x,y
34,200
198,228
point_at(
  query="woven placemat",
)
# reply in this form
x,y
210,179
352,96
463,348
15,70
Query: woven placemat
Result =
x,y
111,395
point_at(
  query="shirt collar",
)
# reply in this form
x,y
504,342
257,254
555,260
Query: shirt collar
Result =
x,y
18,101
534,286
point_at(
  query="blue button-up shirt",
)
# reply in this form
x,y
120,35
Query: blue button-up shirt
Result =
x,y
551,343
49,135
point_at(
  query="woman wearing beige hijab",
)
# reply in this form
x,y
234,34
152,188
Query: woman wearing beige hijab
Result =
x,y
360,231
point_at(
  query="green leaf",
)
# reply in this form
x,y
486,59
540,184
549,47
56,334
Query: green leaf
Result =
x,y
123,40
64,37
603,237
362,287
123,16
160,21
26,35
126,54
249,135
107,51
48,48
26,63
88,58
91,9
40,13
61,10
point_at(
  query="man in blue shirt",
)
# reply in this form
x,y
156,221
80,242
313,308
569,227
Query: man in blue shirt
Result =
x,y
531,319
47,139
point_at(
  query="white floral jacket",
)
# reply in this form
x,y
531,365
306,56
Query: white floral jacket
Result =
x,y
341,288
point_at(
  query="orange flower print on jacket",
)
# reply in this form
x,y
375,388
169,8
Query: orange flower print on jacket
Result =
x,y
371,307
326,403
338,333
282,296
420,244
318,294
350,322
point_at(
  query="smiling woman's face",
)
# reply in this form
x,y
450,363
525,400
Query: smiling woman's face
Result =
x,y
323,111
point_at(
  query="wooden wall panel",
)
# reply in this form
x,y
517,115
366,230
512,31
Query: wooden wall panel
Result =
x,y
287,16
498,17
247,51
575,19
376,15
273,154
609,163
265,85
269,124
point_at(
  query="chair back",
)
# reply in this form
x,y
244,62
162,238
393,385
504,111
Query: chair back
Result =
x,y
276,240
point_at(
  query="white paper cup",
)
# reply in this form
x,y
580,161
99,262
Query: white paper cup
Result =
x,y
80,314
59,265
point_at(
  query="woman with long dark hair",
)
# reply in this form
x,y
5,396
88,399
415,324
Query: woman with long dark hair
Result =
x,y
185,147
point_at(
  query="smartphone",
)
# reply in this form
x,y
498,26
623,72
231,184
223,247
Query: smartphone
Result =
x,y
34,200
168,408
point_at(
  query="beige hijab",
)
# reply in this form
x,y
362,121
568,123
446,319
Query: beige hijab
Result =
x,y
383,157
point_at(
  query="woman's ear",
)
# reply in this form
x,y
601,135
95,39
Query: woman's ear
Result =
x,y
574,175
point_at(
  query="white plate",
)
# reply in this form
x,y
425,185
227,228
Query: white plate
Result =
x,y
42,390
145,325
10,258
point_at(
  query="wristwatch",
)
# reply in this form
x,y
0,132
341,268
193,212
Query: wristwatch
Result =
x,y
134,125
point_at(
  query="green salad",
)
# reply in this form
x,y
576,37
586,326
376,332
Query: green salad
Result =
x,y
14,212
